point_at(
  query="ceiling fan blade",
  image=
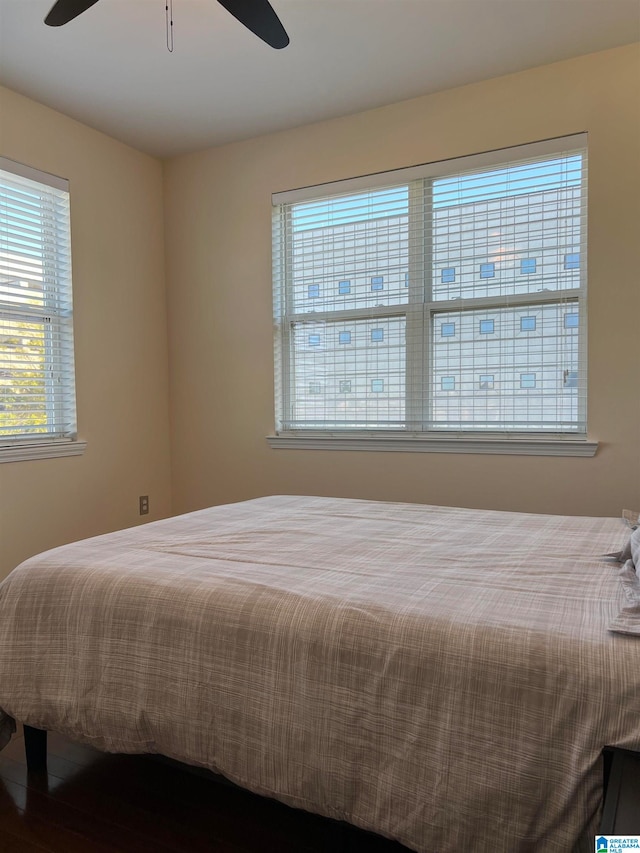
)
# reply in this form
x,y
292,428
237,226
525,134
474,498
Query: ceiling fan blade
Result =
x,y
66,10
260,18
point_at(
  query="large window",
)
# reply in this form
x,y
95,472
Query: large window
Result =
x,y
443,300
37,396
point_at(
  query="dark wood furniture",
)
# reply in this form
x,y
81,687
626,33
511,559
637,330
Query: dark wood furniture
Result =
x,y
35,747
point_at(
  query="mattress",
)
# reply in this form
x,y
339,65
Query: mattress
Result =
x,y
444,677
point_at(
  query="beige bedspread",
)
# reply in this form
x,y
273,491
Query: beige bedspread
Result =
x,y
442,676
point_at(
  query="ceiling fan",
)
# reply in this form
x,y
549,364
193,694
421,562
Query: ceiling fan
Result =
x,y
256,15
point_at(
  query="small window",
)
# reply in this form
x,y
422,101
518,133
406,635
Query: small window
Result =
x,y
313,291
377,282
527,266
527,324
447,330
486,327
344,286
448,275
37,374
486,381
572,261
571,321
314,340
315,388
377,385
448,383
406,279
345,386
570,378
487,270
377,335
527,380
344,337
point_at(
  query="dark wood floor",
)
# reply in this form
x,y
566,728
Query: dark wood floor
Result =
x,y
89,802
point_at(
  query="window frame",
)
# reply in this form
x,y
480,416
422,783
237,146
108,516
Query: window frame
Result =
x,y
421,311
56,316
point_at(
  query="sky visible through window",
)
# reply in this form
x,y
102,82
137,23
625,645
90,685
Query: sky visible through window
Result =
x,y
477,186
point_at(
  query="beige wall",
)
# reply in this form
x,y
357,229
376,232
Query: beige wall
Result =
x,y
218,233
120,340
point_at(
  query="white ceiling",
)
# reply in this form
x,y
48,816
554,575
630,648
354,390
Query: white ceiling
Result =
x,y
110,67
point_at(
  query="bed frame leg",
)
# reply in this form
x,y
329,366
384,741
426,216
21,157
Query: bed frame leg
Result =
x,y
35,747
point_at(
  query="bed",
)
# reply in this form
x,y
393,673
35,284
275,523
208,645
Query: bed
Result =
x,y
444,677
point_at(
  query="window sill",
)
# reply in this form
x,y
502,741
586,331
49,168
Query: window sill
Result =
x,y
436,444
41,450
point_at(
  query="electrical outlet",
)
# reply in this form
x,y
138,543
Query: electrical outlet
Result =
x,y
144,504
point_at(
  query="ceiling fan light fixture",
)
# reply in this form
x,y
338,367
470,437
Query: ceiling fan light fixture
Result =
x,y
64,11
257,15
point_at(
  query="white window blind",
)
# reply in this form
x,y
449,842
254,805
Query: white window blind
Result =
x,y
37,386
443,299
